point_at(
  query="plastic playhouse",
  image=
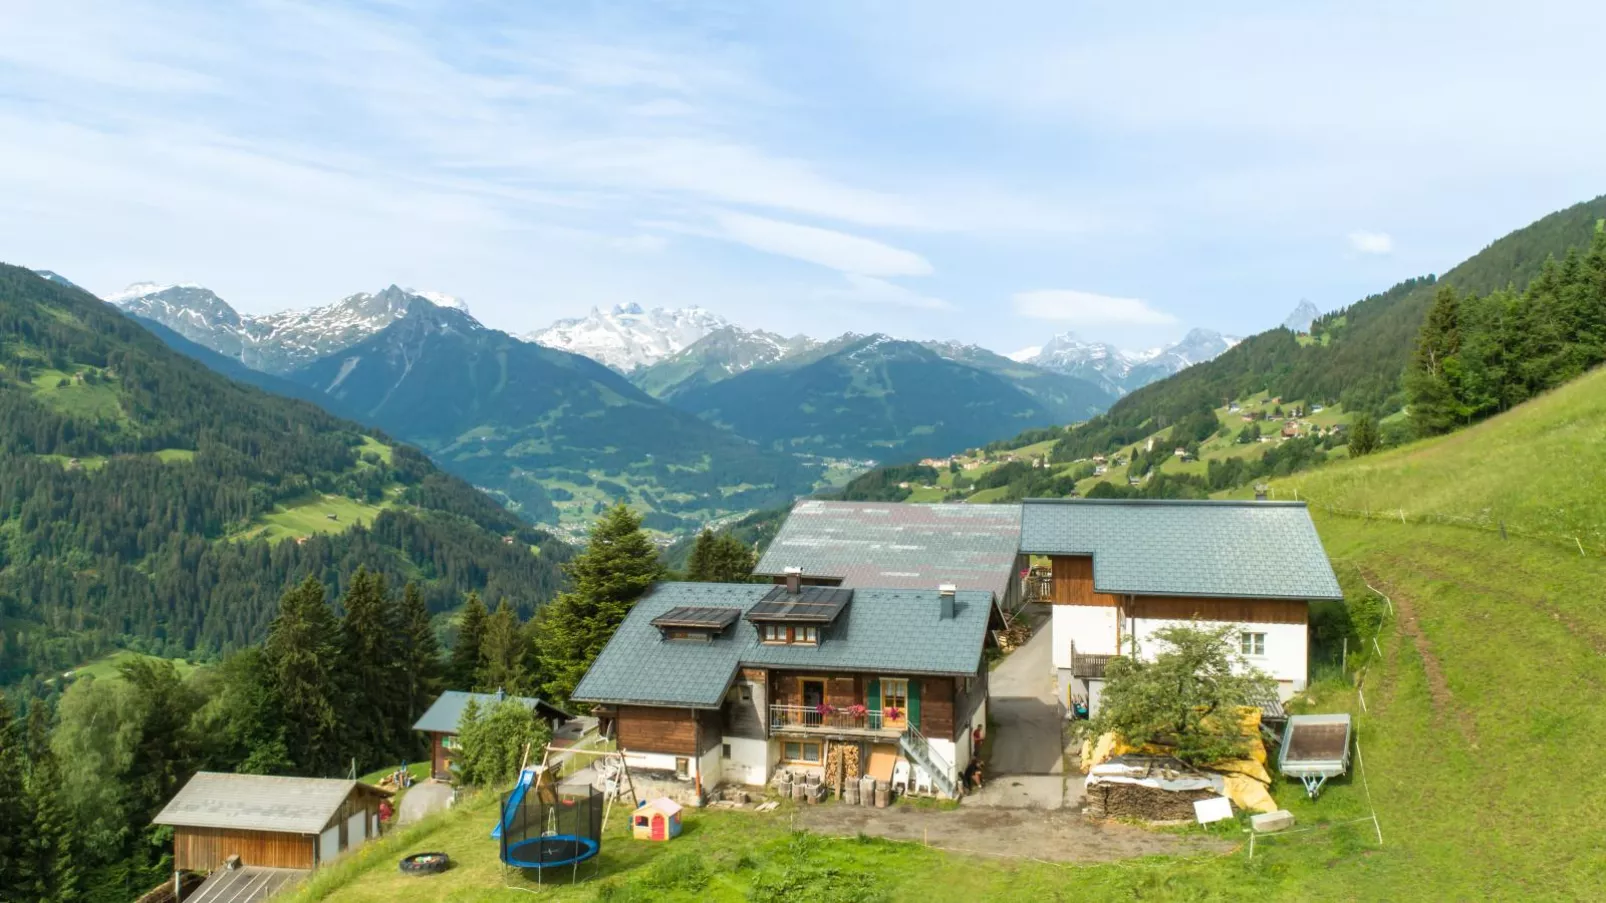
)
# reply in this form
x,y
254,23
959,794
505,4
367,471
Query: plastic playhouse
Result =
x,y
657,819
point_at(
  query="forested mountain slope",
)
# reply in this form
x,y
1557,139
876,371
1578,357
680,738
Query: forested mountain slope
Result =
x,y
547,428
131,478
882,398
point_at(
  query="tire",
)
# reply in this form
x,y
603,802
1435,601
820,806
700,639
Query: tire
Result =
x,y
425,864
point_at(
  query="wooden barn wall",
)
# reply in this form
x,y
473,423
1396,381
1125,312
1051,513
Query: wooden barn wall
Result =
x,y
936,706
205,849
1073,582
654,729
1251,611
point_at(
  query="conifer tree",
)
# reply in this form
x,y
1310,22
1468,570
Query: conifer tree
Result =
x,y
1363,437
719,559
55,864
1436,367
16,812
502,653
302,652
370,669
617,567
421,657
700,564
464,669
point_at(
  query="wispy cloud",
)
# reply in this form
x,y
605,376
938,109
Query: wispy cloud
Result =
x,y
1371,242
872,291
827,247
1089,310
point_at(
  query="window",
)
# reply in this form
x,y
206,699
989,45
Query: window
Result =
x,y
448,741
682,767
1252,643
691,635
808,635
895,695
725,750
780,633
774,633
806,753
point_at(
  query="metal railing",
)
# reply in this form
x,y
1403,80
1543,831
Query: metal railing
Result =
x,y
936,765
784,717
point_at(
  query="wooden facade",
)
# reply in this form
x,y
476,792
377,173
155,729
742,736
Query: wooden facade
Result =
x,y
657,729
205,849
1073,582
1251,611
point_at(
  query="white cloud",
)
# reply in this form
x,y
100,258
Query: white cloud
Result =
x,y
1371,242
1086,310
870,290
826,247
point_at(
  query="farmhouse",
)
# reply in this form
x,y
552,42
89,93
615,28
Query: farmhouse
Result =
x,y
440,722
277,827
888,545
709,683
1125,568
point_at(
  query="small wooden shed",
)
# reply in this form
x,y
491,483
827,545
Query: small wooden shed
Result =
x,y
656,819
268,821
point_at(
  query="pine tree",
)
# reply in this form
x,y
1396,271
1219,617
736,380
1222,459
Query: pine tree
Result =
x,y
370,670
502,653
17,872
421,655
464,669
617,567
302,652
700,564
55,866
733,560
1435,368
1363,437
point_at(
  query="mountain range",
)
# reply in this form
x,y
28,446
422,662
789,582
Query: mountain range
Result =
x,y
1119,371
627,337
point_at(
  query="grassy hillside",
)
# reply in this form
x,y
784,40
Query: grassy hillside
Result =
x,y
142,497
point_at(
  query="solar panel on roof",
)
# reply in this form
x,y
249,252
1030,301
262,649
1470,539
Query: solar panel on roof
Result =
x,y
811,604
707,617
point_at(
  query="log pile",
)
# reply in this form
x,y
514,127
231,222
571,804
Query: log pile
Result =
x,y
1139,801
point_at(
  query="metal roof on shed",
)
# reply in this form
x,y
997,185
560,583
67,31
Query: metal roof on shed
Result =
x,y
446,712
897,631
894,545
257,802
1251,550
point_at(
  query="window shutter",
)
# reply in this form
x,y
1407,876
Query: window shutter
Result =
x,y
914,702
872,694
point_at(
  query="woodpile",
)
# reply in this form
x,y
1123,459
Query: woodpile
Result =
x,y
1013,637
1147,803
842,765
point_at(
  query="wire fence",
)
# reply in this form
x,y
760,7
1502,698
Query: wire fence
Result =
x,y
1587,545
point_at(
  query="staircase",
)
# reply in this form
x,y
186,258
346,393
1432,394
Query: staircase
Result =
x,y
919,751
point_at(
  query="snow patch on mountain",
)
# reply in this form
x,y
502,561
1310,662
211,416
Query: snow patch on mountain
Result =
x,y
1121,370
627,337
1302,317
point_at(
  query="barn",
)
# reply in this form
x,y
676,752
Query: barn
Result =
x,y
268,822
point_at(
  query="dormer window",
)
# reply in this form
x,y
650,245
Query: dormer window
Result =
x,y
695,625
797,615
784,635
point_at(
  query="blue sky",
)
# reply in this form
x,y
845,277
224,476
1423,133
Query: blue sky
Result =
x,y
989,172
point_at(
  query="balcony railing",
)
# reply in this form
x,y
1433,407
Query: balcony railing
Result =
x,y
802,717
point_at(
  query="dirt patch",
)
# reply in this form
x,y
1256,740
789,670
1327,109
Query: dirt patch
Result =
x,y
1053,836
1438,685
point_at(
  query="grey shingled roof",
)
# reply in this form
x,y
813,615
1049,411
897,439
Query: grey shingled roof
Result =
x,y
1254,550
446,712
897,631
891,545
256,802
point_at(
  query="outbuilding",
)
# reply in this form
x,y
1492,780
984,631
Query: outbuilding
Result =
x,y
267,821
440,722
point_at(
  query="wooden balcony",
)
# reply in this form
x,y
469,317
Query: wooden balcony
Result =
x,y
786,719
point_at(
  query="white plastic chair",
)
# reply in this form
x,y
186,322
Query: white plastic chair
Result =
x,y
922,780
900,775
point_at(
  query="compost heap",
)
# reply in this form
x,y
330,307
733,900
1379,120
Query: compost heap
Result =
x,y
1169,787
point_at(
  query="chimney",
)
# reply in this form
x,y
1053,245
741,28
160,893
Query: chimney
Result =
x,y
794,580
945,601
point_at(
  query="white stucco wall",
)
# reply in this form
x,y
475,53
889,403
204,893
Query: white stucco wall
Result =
x,y
749,761
652,761
1286,658
1091,627
711,767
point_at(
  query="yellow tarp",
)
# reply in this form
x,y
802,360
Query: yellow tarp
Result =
x,y
1247,780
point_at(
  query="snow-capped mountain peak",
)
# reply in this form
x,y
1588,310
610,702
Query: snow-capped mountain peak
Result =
x,y
440,299
1025,355
1120,370
1302,317
628,337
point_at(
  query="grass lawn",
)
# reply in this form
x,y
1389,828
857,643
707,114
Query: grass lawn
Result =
x,y
105,668
169,455
312,515
92,402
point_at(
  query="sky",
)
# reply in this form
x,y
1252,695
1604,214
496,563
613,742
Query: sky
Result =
x,y
995,173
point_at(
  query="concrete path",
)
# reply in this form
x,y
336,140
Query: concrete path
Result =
x,y
1027,722
421,799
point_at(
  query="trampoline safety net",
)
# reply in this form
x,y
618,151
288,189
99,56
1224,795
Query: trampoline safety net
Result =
x,y
544,829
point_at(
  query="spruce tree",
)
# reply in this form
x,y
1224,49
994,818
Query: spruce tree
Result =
x,y
17,871
502,653
464,669
733,560
700,565
619,564
370,670
55,864
302,652
421,657
1363,437
1435,367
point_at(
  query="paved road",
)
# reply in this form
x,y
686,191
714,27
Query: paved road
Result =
x,y
1027,721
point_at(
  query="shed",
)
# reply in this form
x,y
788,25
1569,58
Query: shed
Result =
x,y
440,722
268,821
656,819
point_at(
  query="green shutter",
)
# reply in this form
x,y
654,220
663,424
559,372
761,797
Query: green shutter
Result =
x,y
872,694
914,702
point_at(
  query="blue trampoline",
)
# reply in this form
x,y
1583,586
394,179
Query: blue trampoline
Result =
x,y
542,829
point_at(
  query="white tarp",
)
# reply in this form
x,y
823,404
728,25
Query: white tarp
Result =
x,y
1148,774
